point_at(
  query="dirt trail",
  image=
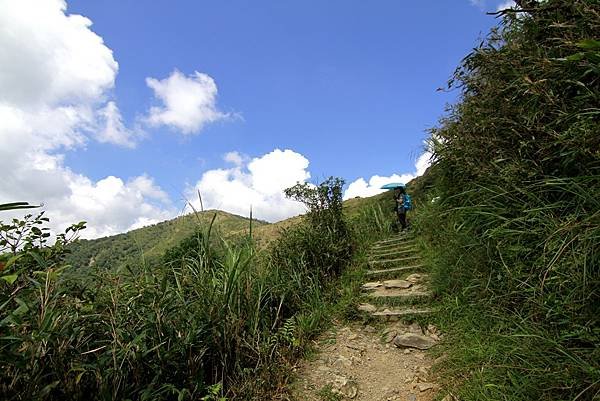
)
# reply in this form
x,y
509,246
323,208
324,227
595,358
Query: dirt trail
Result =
x,y
384,361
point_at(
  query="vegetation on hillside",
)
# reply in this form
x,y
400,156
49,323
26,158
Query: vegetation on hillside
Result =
x,y
151,242
514,238
209,320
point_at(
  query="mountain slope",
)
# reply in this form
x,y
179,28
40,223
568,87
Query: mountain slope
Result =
x,y
149,243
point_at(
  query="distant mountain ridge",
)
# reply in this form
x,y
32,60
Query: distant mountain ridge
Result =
x,y
150,243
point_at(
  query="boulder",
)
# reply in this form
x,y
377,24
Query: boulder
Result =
x,y
412,340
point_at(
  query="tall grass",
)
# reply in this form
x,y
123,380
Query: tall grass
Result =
x,y
214,319
514,240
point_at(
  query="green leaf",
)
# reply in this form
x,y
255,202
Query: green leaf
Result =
x,y
22,309
589,44
576,57
11,278
13,260
16,205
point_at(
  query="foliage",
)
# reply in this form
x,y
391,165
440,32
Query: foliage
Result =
x,y
151,242
322,241
515,234
211,321
16,206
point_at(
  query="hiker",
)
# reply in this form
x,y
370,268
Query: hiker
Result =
x,y
403,204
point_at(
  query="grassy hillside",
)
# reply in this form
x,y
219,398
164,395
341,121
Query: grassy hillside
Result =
x,y
514,239
151,242
206,322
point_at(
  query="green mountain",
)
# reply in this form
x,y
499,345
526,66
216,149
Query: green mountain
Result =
x,y
149,243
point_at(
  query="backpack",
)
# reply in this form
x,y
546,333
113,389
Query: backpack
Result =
x,y
407,202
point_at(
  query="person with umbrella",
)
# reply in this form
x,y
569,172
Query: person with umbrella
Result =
x,y
402,202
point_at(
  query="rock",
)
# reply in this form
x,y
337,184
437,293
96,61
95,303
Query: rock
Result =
x,y
411,397
355,360
356,347
371,286
415,277
440,359
414,341
407,351
370,329
424,386
389,336
341,362
349,389
415,328
344,386
367,308
397,284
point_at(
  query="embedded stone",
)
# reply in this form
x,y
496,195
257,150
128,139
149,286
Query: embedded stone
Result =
x,y
367,308
412,340
397,284
372,285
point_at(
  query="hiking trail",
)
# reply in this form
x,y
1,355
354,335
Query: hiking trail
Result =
x,y
387,360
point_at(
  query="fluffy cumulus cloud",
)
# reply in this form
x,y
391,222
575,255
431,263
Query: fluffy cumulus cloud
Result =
x,y
363,188
258,183
491,4
53,98
112,129
506,4
188,103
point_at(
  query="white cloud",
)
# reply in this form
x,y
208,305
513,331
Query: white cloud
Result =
x,y
506,4
189,103
112,206
362,188
56,57
500,5
112,129
52,99
234,157
259,183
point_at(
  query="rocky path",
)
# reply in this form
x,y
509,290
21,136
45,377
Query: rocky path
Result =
x,y
384,360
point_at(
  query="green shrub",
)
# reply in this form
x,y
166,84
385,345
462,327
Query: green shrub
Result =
x,y
516,231
212,320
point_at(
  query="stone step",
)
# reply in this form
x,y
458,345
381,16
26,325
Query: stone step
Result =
x,y
392,270
407,282
393,252
393,239
416,290
385,311
386,284
402,312
389,247
398,293
388,261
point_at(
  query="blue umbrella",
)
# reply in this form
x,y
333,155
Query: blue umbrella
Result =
x,y
393,185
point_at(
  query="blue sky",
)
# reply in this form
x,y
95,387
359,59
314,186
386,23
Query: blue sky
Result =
x,y
348,88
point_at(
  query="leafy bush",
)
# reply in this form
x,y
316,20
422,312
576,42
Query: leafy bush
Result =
x,y
211,320
515,234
